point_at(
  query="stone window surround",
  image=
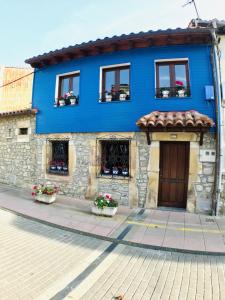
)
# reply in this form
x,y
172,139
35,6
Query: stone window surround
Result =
x,y
99,157
94,168
153,170
23,138
47,157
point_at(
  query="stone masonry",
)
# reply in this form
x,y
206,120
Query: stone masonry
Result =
x,y
17,152
24,163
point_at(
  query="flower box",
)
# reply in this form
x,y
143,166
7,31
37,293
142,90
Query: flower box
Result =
x,y
45,192
105,211
104,205
45,198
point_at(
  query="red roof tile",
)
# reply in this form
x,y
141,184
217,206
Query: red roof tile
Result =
x,y
19,112
191,118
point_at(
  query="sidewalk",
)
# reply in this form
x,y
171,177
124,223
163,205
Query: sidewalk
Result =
x,y
144,227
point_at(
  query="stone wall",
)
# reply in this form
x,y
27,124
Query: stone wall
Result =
x,y
204,187
24,161
17,152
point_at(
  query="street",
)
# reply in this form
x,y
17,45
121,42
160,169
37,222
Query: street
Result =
x,y
42,262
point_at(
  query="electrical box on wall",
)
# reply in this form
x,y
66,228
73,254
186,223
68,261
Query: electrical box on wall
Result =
x,y
208,155
209,92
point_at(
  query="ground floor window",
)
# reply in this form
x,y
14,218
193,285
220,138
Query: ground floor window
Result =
x,y
59,158
115,158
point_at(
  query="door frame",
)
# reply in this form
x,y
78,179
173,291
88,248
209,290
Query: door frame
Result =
x,y
186,170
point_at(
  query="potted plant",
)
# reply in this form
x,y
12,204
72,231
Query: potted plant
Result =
x,y
72,98
108,97
61,101
45,192
104,205
165,92
123,95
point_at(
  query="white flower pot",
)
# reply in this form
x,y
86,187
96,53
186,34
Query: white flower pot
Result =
x,y
45,198
123,97
165,94
181,93
106,211
73,101
108,98
61,102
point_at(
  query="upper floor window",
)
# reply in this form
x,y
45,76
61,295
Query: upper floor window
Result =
x,y
115,85
68,89
172,79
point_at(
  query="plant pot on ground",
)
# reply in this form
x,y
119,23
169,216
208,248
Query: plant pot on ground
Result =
x,y
104,205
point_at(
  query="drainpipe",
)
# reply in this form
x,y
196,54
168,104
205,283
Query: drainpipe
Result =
x,y
216,77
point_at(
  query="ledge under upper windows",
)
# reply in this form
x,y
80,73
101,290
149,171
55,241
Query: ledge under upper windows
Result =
x,y
67,89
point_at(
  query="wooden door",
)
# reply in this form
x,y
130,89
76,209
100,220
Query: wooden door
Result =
x,y
173,174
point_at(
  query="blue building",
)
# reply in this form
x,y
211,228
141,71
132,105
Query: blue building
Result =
x,y
130,115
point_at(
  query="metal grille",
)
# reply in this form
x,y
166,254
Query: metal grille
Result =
x,y
59,162
114,158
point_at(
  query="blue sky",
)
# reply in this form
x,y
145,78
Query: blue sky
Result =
x,y
29,27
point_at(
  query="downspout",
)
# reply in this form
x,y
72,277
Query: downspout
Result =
x,y
216,77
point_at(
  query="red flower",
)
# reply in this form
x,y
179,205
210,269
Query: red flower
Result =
x,y
179,83
33,194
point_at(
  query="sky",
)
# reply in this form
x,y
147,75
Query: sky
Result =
x,y
32,27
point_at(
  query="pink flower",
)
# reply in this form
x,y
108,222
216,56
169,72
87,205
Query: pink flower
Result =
x,y
34,187
108,196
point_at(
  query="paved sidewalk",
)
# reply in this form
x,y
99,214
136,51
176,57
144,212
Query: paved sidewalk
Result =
x,y
147,228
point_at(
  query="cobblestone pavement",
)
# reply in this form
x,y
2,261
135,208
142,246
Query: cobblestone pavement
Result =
x,y
36,261
148,274
40,262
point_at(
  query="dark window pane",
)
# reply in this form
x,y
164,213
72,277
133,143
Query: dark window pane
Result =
x,y
59,162
124,80
109,80
64,86
115,158
164,76
180,75
75,85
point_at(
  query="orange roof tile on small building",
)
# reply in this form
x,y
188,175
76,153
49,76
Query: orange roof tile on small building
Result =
x,y
32,111
191,118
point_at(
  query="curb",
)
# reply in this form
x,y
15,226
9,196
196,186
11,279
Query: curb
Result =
x,y
115,240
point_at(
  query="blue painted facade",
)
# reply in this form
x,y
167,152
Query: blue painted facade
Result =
x,y
91,116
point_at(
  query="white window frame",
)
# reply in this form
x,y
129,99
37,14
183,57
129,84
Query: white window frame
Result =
x,y
170,59
57,80
108,67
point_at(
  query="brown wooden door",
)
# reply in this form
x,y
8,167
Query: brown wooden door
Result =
x,y
173,174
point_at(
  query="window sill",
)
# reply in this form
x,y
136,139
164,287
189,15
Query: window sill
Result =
x,y
63,106
173,98
113,101
60,173
115,177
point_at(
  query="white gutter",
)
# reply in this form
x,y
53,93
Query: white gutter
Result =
x,y
217,78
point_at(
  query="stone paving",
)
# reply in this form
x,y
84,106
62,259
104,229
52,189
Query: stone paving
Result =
x,y
155,228
141,274
36,261
39,261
